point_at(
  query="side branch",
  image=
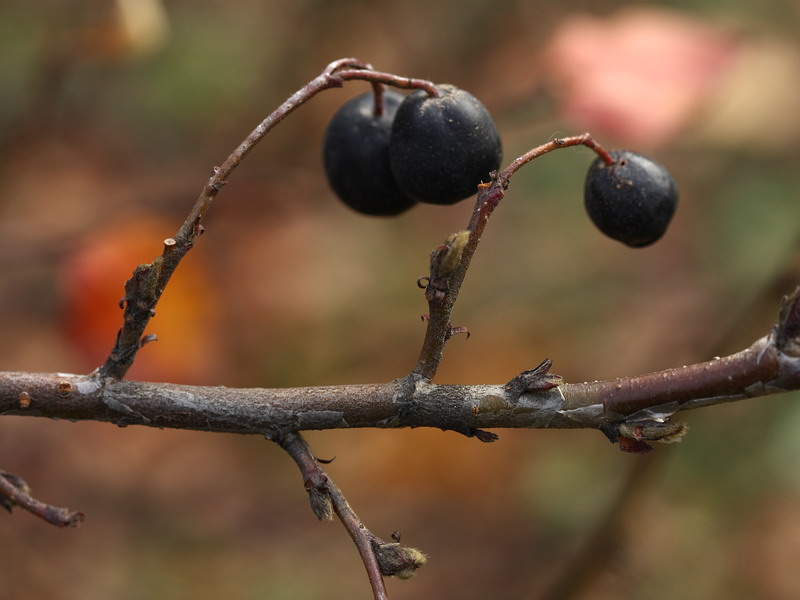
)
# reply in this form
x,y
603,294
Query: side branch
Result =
x,y
143,290
379,557
442,291
15,492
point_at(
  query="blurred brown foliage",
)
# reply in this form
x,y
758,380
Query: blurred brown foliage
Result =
x,y
115,112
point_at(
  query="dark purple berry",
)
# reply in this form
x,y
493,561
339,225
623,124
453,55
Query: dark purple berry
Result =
x,y
632,200
442,148
356,156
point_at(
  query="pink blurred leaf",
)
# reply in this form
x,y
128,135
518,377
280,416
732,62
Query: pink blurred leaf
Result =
x,y
638,75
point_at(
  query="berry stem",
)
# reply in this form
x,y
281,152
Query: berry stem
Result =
x,y
584,139
377,93
350,69
406,83
441,296
143,291
346,63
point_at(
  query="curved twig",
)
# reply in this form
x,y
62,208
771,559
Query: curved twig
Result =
x,y
143,290
15,492
442,292
379,557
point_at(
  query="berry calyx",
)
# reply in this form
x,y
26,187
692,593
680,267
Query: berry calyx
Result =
x,y
442,147
356,156
632,200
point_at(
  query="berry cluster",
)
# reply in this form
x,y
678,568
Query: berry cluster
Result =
x,y
382,157
384,153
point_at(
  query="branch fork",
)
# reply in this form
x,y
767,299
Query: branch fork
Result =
x,y
632,411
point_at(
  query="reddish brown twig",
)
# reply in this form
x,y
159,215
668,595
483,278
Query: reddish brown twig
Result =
x,y
442,292
380,558
15,492
143,290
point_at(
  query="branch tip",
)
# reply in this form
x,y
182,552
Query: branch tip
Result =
x,y
398,561
14,491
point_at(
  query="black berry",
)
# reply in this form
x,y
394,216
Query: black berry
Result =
x,y
442,148
356,156
632,200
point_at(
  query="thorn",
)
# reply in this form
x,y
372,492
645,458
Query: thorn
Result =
x,y
538,379
150,337
482,435
436,293
451,331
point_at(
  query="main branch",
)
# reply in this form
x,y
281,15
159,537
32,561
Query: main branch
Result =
x,y
637,407
632,411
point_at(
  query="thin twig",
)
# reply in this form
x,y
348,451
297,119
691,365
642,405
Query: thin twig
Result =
x,y
584,139
143,290
14,492
441,293
325,497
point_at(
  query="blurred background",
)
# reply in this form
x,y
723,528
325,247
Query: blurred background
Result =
x,y
113,115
